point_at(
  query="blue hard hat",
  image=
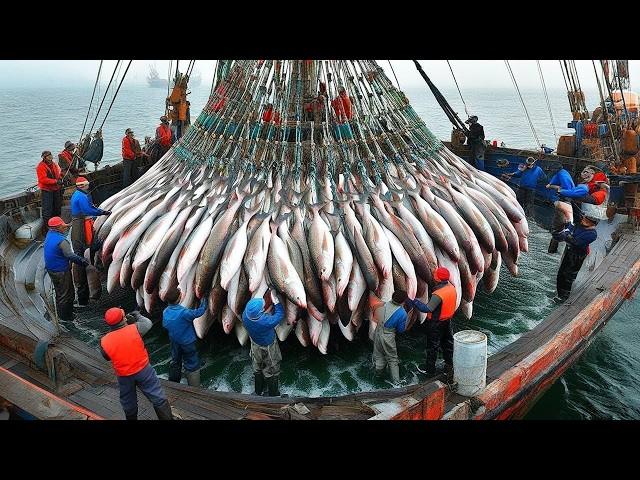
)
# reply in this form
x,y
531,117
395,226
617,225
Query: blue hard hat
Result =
x,y
254,308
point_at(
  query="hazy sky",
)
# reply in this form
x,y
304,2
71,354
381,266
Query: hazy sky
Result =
x,y
470,73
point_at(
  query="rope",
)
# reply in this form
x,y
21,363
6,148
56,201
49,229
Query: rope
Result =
x,y
115,95
91,102
456,82
394,74
451,115
546,96
624,104
513,79
104,97
168,82
605,113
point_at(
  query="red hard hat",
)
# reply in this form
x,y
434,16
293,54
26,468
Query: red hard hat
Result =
x,y
441,274
81,180
113,316
55,222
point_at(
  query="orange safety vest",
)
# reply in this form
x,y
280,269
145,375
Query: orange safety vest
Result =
x,y
449,297
126,350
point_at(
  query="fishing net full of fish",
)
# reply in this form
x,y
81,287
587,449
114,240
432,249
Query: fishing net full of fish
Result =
x,y
316,179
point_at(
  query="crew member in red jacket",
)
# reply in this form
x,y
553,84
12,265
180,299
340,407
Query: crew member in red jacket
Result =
x,y
65,161
131,152
50,184
164,135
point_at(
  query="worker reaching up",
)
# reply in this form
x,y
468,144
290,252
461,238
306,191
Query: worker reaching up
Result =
x,y
265,351
178,321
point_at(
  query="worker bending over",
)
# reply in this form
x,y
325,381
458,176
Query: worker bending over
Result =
x,y
124,348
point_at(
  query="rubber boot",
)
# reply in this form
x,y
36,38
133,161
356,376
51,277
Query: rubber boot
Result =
x,y
193,378
133,416
259,383
175,373
448,370
553,246
164,411
395,374
273,387
379,373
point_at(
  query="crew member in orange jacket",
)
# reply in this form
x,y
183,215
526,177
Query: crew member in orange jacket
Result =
x,y
441,307
164,135
131,152
50,184
124,348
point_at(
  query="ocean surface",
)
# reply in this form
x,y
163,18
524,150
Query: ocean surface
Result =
x,y
603,384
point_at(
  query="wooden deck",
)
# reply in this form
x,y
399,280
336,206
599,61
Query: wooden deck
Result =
x,y
86,380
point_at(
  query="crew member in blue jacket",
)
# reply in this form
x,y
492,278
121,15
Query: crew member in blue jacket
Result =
x,y
265,351
82,213
530,177
57,255
563,212
178,321
578,238
393,319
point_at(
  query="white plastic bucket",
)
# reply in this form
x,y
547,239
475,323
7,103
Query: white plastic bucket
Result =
x,y
470,361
